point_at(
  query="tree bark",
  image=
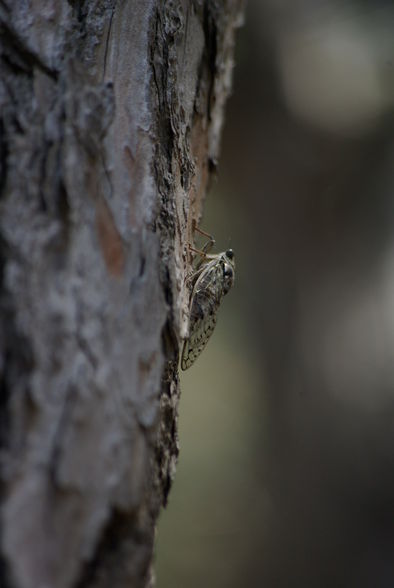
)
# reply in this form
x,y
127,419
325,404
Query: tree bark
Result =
x,y
110,119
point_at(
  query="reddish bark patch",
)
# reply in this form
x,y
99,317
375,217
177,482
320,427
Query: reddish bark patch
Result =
x,y
130,164
111,243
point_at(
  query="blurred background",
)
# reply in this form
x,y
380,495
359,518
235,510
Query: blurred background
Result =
x,y
286,471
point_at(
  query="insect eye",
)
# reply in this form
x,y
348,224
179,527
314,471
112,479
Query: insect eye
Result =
x,y
228,271
228,277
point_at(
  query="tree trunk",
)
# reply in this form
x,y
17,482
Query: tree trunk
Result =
x,y
110,119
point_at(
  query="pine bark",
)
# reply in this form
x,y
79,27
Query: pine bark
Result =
x,y
110,120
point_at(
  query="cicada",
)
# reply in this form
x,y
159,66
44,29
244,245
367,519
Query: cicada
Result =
x,y
211,281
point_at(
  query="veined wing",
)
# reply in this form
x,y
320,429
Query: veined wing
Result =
x,y
205,300
212,282
202,324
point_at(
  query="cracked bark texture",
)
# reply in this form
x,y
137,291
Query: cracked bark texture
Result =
x,y
110,119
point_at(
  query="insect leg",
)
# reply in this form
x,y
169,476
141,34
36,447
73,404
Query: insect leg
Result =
x,y
199,251
211,241
202,254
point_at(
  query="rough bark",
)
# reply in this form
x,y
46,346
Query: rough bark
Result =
x,y
110,119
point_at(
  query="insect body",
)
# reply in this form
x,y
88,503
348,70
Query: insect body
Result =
x,y
212,281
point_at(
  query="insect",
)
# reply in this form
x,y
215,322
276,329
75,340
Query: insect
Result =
x,y
213,278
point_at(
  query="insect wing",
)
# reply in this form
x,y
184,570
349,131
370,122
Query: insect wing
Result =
x,y
201,328
206,296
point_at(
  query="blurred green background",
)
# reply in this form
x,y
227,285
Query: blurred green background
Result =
x,y
286,426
